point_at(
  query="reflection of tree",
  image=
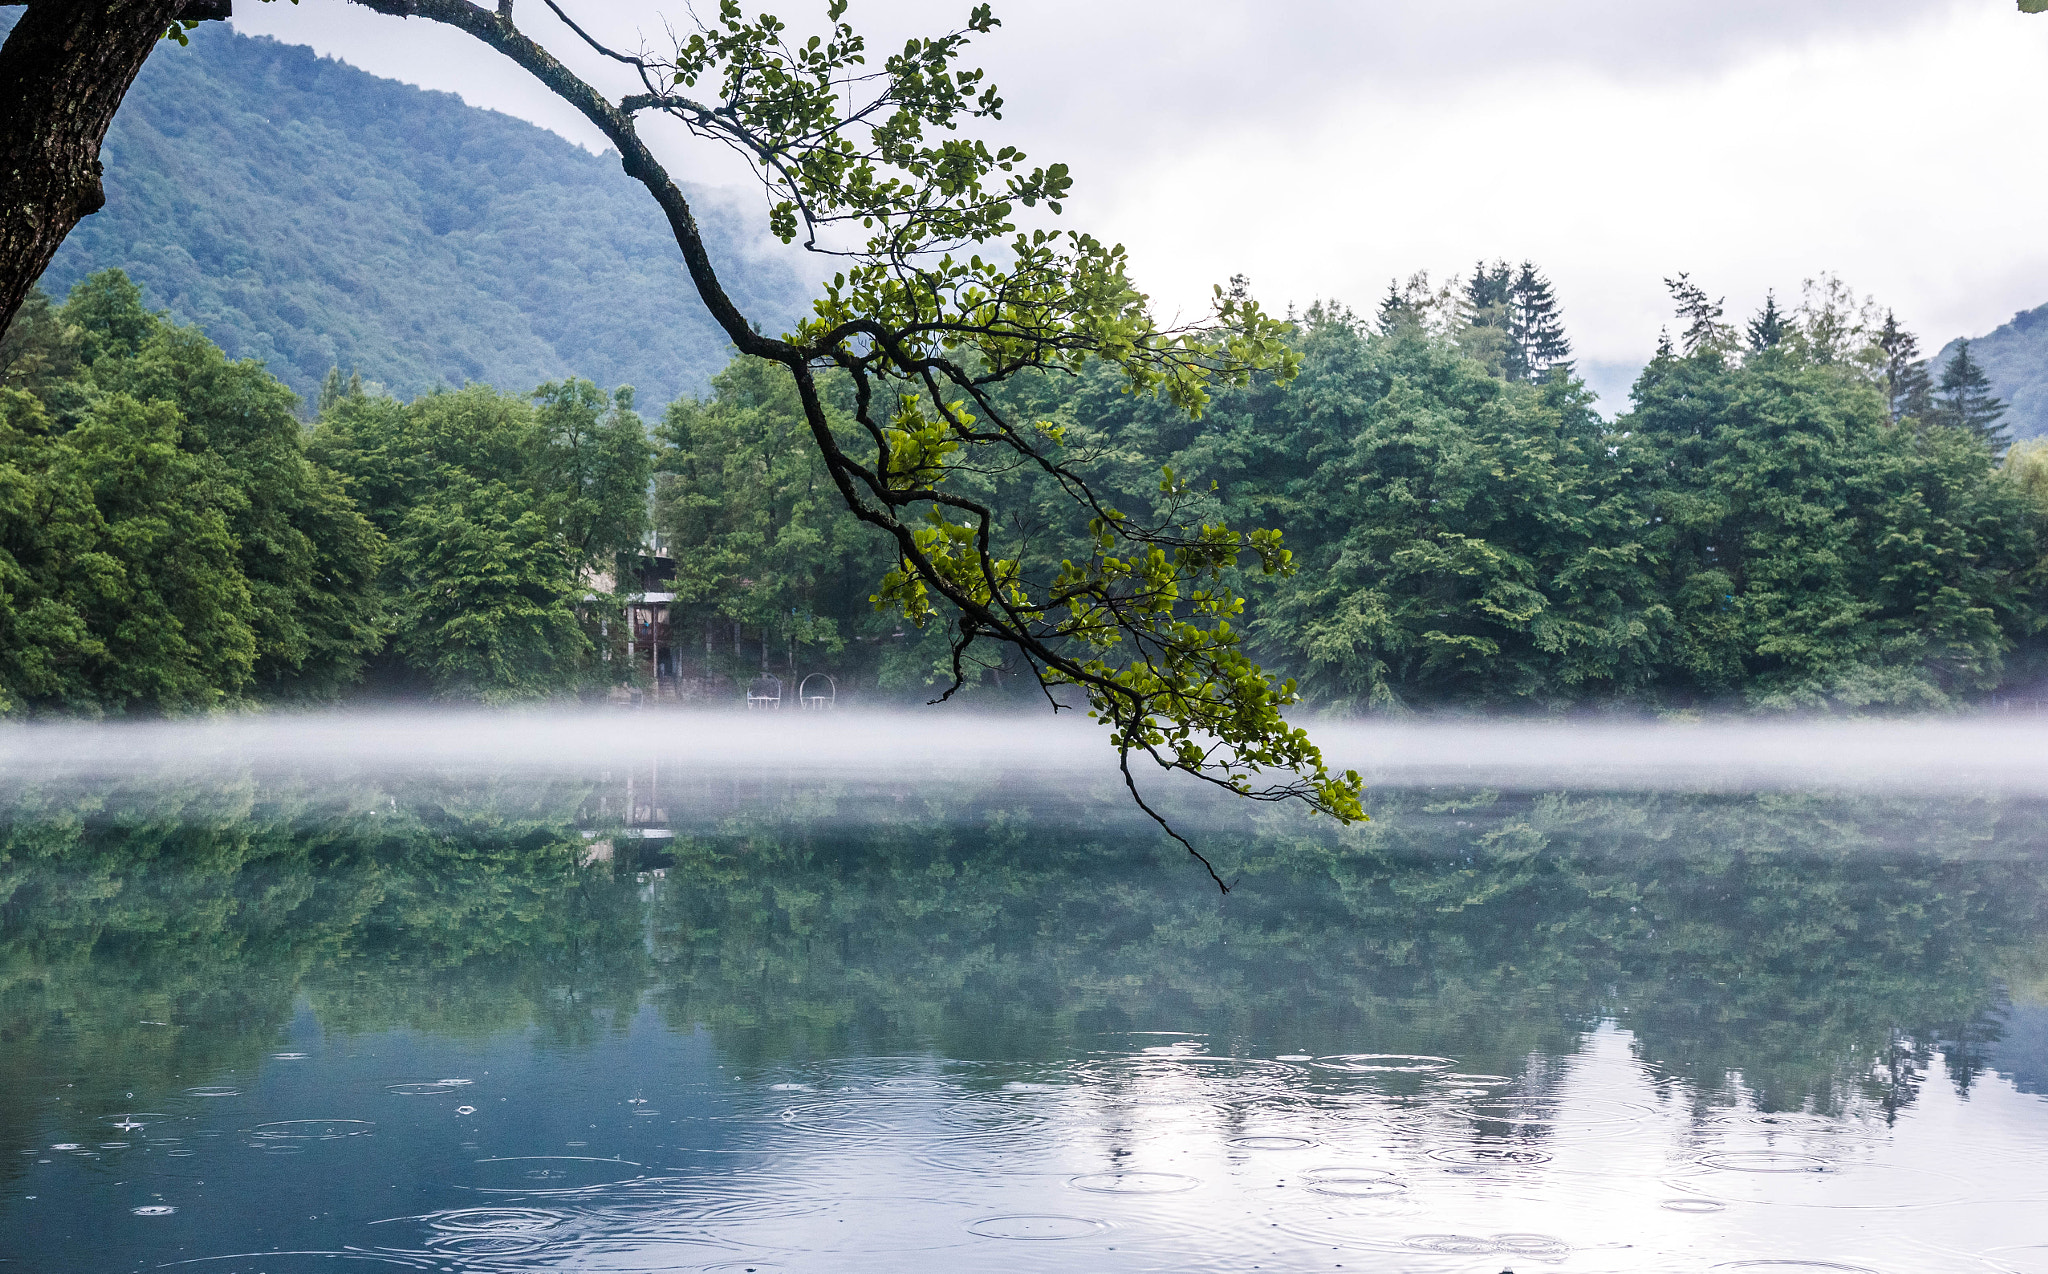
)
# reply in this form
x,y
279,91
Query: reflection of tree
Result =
x,y
1810,953
209,911
1805,950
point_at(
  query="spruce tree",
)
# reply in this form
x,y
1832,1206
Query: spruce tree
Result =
x,y
1396,311
1769,326
1907,387
1486,304
1535,326
1487,294
1703,327
1965,400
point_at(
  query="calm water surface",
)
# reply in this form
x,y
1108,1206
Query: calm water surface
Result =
x,y
627,1017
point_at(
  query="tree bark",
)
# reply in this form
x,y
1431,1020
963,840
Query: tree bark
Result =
x,y
63,72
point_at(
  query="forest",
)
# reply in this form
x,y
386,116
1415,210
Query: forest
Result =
x,y
1797,513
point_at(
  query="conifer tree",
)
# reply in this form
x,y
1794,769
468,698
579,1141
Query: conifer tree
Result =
x,y
1769,326
1965,400
1535,327
1486,293
1907,387
1488,296
1396,311
1703,327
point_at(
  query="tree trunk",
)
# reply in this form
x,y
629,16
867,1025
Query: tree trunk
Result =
x,y
63,72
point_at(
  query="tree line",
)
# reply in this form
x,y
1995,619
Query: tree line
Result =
x,y
173,538
1796,512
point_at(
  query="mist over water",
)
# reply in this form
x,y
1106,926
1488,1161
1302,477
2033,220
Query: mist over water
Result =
x,y
1987,754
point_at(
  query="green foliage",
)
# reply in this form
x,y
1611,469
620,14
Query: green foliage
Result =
x,y
1908,390
499,510
1812,551
1515,317
1963,399
1764,530
1472,540
171,539
487,593
761,537
594,464
165,542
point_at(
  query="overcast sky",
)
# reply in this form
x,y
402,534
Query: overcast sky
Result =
x,y
1323,146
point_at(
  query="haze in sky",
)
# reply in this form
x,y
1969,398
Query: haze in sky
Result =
x,y
1323,148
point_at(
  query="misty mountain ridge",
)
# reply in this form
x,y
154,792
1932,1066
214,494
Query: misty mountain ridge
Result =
x,y
313,215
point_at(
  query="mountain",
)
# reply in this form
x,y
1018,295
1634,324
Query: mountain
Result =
x,y
2015,357
311,215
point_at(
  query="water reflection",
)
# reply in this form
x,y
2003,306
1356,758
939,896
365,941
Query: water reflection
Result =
x,y
295,1023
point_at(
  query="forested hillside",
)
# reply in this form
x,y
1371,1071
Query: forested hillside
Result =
x,y
2015,357
310,215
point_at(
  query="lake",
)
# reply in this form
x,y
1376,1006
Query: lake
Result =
x,y
664,992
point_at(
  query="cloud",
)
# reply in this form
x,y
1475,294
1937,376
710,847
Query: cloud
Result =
x,y
1901,160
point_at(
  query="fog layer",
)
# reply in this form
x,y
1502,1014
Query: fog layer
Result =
x,y
1985,754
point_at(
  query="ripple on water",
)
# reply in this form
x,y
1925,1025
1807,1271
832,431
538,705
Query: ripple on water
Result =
x,y
1795,1267
1383,1063
212,1090
153,1209
432,1088
1353,1183
1451,1244
1542,1246
1782,1121
547,1174
1790,1180
710,1200
1553,1113
912,1084
485,1244
1693,1205
1133,1182
1271,1143
498,1222
813,1222
286,1130
1765,1161
299,1262
829,1119
1490,1156
133,1121
1036,1226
